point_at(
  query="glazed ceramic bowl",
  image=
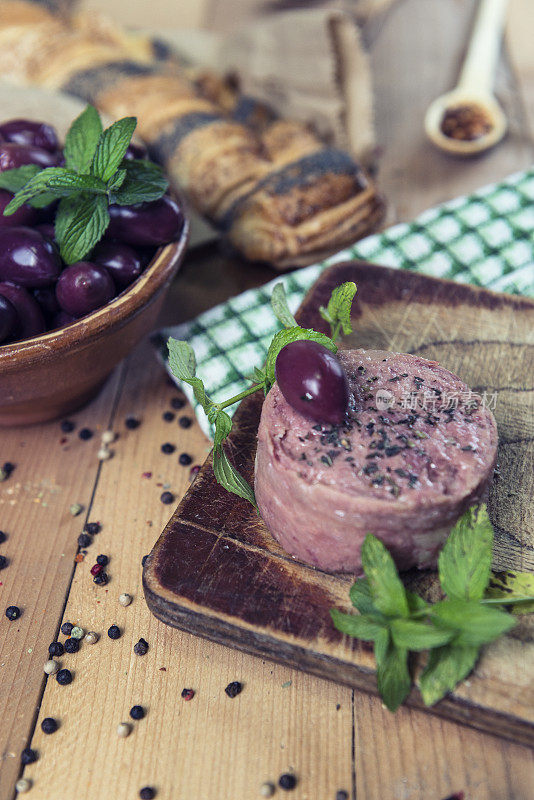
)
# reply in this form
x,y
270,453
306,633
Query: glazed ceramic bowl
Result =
x,y
50,375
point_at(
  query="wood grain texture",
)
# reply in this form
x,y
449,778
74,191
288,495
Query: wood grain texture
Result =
x,y
216,571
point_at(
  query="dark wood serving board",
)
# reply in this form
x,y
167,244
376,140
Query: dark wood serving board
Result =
x,y
215,570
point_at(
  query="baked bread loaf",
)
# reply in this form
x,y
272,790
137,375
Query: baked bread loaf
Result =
x,y
272,187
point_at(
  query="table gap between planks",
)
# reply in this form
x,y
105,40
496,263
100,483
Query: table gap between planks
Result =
x,y
213,747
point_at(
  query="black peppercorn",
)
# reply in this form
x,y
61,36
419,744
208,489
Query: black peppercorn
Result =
x,y
342,795
49,725
137,712
167,448
144,560
141,648
132,423
55,649
114,632
166,498
7,468
101,579
102,560
67,426
188,694
72,645
85,434
177,403
64,677
92,528
185,459
147,793
287,781
28,756
12,612
66,628
234,688
3,562
84,540
185,422
3,537
168,416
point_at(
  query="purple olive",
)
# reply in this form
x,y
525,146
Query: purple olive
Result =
x,y
30,317
27,258
25,215
46,297
84,287
8,318
61,319
313,381
16,155
47,229
135,151
153,223
123,263
25,131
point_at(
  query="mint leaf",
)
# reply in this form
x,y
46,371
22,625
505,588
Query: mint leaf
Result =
x,y
281,308
143,183
337,312
111,147
80,223
117,180
223,426
183,365
474,623
286,337
511,588
360,596
413,635
382,643
464,563
393,678
416,603
360,626
229,478
82,139
446,667
56,181
387,591
14,179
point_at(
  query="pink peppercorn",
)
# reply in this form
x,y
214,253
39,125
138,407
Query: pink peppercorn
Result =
x,y
96,569
193,472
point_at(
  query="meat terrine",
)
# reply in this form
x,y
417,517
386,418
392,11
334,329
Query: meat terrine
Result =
x,y
418,448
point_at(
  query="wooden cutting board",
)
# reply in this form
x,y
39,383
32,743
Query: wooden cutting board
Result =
x,y
216,572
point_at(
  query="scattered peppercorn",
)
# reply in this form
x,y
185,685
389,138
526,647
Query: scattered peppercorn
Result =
x,y
23,785
125,599
114,632
141,648
28,756
287,781
234,688
137,712
3,562
123,729
51,666
77,632
67,425
144,560
12,612
76,509
8,468
147,793
92,528
91,637
132,423
185,422
72,645
185,459
85,434
55,649
102,560
166,498
84,540
64,677
49,725
3,537
177,403
342,795
168,416
193,472
66,628
188,694
96,568
267,789
101,579
168,448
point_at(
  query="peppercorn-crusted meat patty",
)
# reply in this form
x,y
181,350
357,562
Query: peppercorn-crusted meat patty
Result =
x,y
418,448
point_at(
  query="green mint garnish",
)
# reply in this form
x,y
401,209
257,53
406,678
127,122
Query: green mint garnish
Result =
x,y
96,174
337,312
452,630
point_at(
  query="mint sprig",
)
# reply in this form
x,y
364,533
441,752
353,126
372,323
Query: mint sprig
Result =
x,y
337,312
452,630
96,175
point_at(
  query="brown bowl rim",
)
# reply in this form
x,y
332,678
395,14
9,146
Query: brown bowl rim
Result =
x,y
85,330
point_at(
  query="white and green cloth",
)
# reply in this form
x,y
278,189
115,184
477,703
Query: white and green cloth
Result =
x,y
486,238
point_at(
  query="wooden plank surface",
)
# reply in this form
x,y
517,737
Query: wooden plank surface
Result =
x,y
220,748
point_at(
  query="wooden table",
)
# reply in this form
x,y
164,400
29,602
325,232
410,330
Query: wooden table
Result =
x,y
215,748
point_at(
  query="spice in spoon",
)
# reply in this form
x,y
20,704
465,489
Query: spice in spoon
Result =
x,y
466,122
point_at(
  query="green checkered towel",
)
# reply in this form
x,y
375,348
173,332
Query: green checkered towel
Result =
x,y
486,238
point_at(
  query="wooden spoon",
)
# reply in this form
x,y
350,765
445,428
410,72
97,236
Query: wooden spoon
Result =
x,y
474,90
